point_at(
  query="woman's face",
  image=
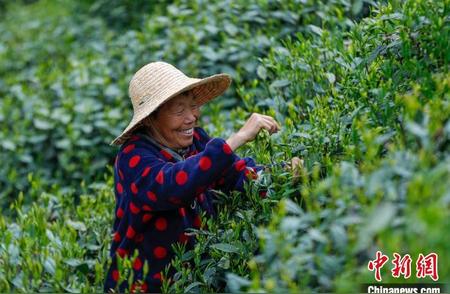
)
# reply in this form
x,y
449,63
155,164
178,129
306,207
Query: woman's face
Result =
x,y
175,120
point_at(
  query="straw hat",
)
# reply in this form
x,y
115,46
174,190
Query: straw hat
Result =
x,y
157,82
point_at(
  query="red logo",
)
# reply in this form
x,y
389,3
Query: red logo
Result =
x,y
426,266
402,266
377,264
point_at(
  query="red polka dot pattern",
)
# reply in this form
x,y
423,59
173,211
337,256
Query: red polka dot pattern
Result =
x,y
119,212
146,218
119,188
146,207
152,196
115,275
263,194
161,224
148,183
181,177
204,163
146,171
201,197
142,288
134,209
128,148
122,252
134,161
197,222
160,252
137,264
160,178
240,165
227,149
250,174
134,188
130,232
196,135
166,154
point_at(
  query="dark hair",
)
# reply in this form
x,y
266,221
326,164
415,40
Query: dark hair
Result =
x,y
186,93
155,112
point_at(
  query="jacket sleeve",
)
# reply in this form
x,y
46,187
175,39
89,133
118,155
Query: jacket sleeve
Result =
x,y
241,171
234,177
155,184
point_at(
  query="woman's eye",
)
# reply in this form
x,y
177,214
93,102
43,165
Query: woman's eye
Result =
x,y
178,110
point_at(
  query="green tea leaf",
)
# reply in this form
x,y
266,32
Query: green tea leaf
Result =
x,y
225,247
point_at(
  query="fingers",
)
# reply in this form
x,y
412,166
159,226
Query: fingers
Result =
x,y
258,116
273,125
255,123
272,120
268,126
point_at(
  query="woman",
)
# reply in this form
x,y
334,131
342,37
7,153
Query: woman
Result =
x,y
166,165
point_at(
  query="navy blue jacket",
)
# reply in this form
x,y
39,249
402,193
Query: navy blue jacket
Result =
x,y
158,197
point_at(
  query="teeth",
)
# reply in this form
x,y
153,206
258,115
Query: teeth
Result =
x,y
188,131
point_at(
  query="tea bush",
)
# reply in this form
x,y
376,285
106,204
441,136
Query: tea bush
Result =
x,y
368,110
64,71
57,244
361,90
398,203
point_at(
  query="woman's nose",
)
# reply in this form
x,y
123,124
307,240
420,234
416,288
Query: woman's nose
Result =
x,y
191,117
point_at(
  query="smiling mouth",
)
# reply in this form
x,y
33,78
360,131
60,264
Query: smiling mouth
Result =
x,y
187,132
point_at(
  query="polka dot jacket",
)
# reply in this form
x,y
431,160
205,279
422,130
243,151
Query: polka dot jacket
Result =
x,y
158,197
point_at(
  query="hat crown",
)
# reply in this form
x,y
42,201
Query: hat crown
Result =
x,y
151,79
157,82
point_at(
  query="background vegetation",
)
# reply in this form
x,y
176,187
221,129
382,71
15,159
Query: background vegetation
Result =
x,y
360,87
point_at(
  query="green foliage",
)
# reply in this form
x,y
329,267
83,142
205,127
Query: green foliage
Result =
x,y
367,109
399,203
361,90
57,244
64,74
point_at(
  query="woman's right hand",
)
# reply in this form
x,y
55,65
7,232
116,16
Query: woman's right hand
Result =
x,y
251,128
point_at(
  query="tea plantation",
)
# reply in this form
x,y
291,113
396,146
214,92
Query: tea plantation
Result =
x,y
361,89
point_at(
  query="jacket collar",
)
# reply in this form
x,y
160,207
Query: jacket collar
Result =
x,y
179,155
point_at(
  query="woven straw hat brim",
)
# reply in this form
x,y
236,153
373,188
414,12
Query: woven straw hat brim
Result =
x,y
204,90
